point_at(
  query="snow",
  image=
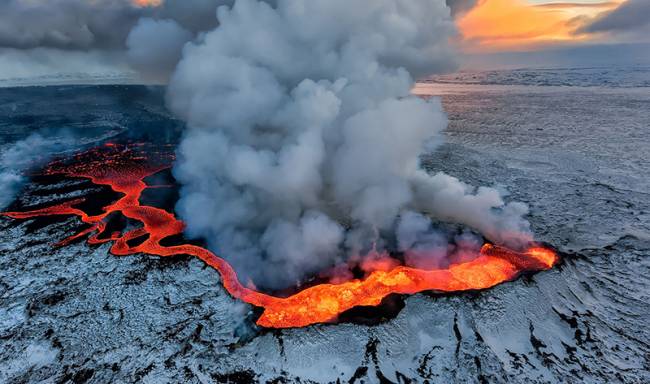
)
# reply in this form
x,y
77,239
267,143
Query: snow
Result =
x,y
577,155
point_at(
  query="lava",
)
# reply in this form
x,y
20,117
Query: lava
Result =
x,y
125,168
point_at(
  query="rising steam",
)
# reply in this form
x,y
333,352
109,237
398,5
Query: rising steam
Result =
x,y
303,139
19,157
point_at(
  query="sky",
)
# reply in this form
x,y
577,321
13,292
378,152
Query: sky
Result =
x,y
548,33
41,37
507,25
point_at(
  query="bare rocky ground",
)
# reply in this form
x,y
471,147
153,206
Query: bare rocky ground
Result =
x,y
577,156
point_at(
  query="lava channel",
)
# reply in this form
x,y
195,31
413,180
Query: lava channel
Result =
x,y
125,168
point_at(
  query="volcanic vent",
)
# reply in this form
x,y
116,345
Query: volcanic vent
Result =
x,y
125,169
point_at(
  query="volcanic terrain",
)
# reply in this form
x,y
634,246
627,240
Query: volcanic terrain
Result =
x,y
79,313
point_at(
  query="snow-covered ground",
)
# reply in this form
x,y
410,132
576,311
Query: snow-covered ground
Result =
x,y
576,155
627,76
71,78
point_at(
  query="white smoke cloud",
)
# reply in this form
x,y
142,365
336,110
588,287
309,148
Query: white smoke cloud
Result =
x,y
423,246
154,47
18,157
483,209
304,140
155,43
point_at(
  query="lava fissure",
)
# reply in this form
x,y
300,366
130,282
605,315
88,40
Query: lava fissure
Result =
x,y
124,170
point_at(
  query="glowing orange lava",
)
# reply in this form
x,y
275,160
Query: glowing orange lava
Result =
x,y
124,169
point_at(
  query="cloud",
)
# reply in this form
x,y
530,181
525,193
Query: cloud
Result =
x,y
74,31
92,25
66,24
154,47
630,16
20,156
460,6
586,56
508,25
194,15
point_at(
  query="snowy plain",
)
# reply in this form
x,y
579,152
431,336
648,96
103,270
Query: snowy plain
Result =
x,y
576,154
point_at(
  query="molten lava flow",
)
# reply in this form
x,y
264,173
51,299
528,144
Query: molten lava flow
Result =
x,y
124,169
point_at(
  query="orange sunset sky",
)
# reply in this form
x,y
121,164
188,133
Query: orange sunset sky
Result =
x,y
497,25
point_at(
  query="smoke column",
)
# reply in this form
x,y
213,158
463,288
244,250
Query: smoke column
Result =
x,y
19,157
303,139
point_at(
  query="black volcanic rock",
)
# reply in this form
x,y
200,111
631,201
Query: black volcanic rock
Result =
x,y
576,155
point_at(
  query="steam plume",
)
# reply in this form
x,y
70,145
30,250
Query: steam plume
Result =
x,y
20,156
304,140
